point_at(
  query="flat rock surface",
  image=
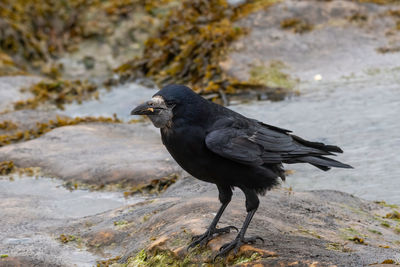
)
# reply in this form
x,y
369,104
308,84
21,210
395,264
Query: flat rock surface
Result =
x,y
96,154
321,227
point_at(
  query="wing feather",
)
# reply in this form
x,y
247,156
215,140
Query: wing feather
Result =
x,y
254,143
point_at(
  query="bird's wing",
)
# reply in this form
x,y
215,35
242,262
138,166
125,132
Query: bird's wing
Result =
x,y
255,143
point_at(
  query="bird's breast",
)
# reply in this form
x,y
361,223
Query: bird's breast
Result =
x,y
187,147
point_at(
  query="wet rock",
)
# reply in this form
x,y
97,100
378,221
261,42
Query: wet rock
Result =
x,y
27,119
129,154
304,227
10,87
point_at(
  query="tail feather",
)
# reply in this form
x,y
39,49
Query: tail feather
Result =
x,y
324,163
317,145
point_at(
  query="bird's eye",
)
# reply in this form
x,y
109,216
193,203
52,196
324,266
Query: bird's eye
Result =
x,y
170,103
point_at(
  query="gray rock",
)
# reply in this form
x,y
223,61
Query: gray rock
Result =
x,y
96,154
304,227
27,119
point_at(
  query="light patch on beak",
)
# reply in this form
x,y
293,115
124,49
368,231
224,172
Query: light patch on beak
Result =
x,y
157,111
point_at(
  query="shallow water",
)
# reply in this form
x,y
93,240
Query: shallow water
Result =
x,y
31,208
361,115
120,100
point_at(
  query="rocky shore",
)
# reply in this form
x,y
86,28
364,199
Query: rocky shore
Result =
x,y
102,190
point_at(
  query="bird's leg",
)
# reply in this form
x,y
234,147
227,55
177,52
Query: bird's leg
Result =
x,y
225,195
252,203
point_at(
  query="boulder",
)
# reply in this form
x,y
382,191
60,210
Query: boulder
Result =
x,y
98,153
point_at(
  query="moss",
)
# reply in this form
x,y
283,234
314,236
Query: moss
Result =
x,y
384,204
108,262
6,167
296,25
58,93
351,233
272,75
163,258
397,230
120,223
42,128
187,49
69,238
393,215
2,256
385,224
309,232
241,259
375,231
337,247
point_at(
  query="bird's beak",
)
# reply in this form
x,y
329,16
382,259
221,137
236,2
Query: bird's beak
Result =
x,y
151,107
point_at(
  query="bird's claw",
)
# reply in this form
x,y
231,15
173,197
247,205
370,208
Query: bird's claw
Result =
x,y
203,239
235,245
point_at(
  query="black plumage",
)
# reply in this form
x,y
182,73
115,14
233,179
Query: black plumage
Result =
x,y
218,145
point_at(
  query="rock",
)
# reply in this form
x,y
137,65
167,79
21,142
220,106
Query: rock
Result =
x,y
27,119
315,227
10,87
130,154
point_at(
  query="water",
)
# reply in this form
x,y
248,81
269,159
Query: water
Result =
x,y
361,115
120,100
32,208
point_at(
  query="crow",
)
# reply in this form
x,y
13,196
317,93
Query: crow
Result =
x,y
220,146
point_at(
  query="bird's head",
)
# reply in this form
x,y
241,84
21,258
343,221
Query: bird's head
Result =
x,y
165,104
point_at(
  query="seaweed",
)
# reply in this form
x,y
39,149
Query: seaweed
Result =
x,y
8,125
380,2
189,46
58,93
42,128
36,33
156,186
296,25
6,167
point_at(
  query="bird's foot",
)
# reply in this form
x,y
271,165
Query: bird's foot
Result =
x,y
203,239
236,244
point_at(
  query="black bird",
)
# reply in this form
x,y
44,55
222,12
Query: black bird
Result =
x,y
220,146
